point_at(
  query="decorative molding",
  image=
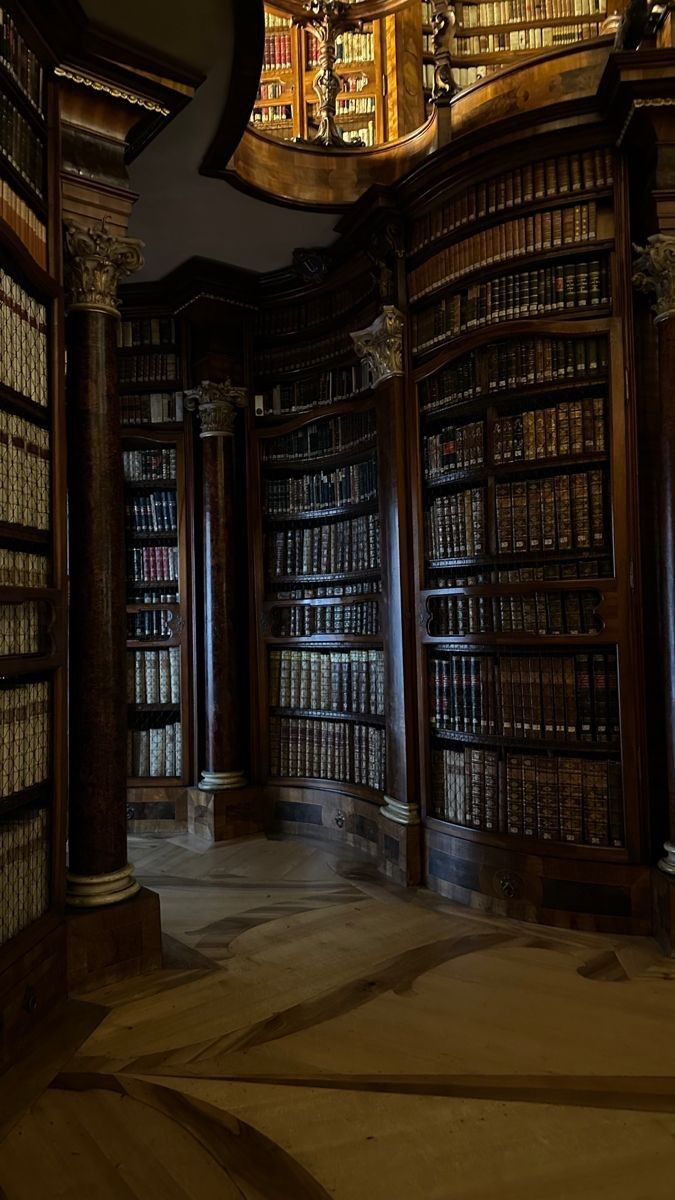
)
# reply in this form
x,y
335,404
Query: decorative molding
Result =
x,y
644,102
221,781
311,266
667,864
508,884
326,20
654,273
216,405
96,891
399,812
96,261
381,344
444,22
97,85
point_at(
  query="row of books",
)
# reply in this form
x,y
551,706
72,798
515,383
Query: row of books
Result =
x,y
19,60
155,753
359,587
349,48
153,676
24,472
455,525
571,698
355,107
577,427
355,83
515,364
561,512
544,179
166,594
27,226
21,146
304,355
336,547
278,52
271,91
152,512
20,628
146,368
154,408
276,21
147,564
333,680
25,736
306,748
23,335
347,619
546,614
20,568
513,12
454,448
465,77
142,465
341,383
147,331
155,625
581,568
538,38
364,134
282,319
272,114
345,485
321,438
544,230
551,289
553,799
25,864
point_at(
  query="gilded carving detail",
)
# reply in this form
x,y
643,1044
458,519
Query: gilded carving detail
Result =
x,y
97,85
444,22
96,262
654,273
216,405
381,344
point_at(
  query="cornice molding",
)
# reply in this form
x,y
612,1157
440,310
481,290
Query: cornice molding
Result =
x,y
117,93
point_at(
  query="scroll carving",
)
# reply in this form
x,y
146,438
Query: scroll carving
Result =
x,y
326,20
96,262
381,345
654,273
444,22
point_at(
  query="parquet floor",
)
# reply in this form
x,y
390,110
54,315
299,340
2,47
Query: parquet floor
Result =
x,y
318,1034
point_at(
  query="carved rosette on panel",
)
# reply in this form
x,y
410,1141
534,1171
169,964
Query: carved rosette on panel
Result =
x,y
96,261
444,22
216,405
381,344
654,273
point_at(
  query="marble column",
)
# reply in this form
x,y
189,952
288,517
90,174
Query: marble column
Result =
x,y
655,274
99,873
216,406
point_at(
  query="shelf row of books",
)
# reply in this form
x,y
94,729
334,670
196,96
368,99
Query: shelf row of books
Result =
x,y
347,619
20,62
26,225
147,465
25,861
526,572
154,408
349,48
339,435
300,355
151,512
21,146
365,134
146,331
360,106
24,472
549,229
345,485
516,364
155,752
155,625
25,736
21,628
566,697
455,447
561,512
333,590
272,114
148,368
455,525
152,564
578,285
546,179
539,38
542,614
271,91
21,568
153,676
514,12
278,52
346,752
334,680
280,319
550,798
333,548
329,387
23,335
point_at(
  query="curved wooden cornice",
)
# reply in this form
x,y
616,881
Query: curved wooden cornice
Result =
x,y
249,46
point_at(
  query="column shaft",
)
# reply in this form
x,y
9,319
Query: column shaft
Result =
x,y
222,739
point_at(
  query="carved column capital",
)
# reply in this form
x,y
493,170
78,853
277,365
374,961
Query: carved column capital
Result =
x,y
381,344
655,273
444,22
216,405
96,261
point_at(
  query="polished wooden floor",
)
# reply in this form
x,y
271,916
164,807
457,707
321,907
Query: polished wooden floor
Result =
x,y
318,1034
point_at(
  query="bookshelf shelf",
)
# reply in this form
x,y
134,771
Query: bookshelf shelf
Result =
x,y
152,708
461,341
12,88
329,715
30,194
13,401
550,745
338,786
506,400
322,514
319,462
328,577
23,535
330,640
33,797
25,260
524,845
157,535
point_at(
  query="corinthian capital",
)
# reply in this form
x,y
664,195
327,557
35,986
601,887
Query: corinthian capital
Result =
x,y
655,273
216,405
381,344
96,261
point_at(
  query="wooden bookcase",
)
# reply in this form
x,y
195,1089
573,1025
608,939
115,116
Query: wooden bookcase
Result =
x,y
32,540
157,479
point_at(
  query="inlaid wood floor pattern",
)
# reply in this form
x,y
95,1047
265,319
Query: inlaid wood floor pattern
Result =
x,y
316,1033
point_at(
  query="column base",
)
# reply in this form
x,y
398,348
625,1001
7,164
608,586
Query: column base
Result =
x,y
400,812
105,945
98,891
220,816
221,781
667,863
